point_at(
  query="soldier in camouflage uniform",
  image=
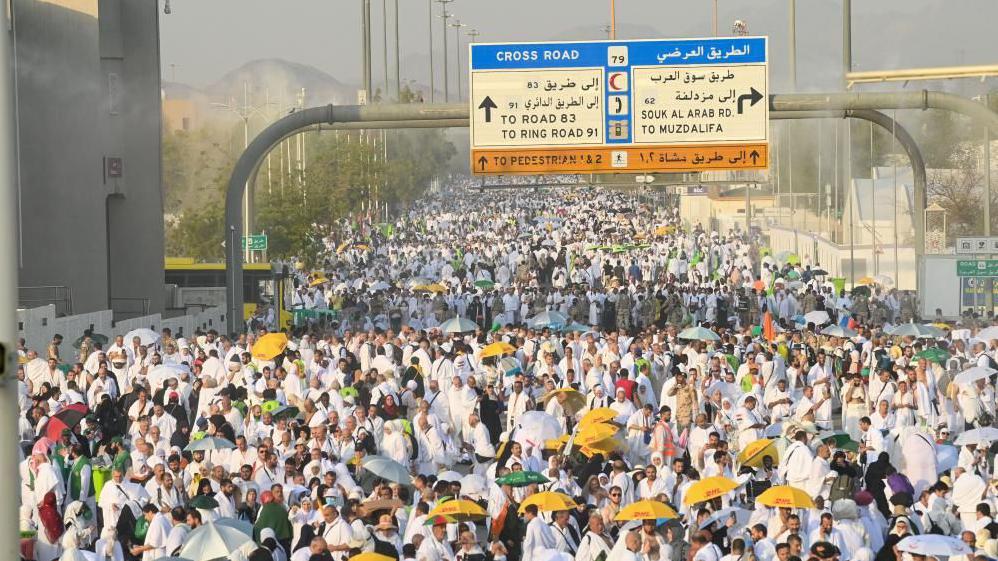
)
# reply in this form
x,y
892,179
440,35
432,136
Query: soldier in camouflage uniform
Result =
x,y
623,310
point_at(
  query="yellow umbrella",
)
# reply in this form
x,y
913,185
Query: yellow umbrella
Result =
x,y
753,454
865,281
548,501
707,489
574,400
646,510
785,496
496,349
602,447
554,444
460,509
318,281
371,556
600,415
591,434
269,346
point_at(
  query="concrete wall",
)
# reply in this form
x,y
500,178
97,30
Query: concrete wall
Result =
x,y
942,286
836,259
88,90
130,51
38,325
62,220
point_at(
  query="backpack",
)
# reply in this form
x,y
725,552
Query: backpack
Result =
x,y
900,484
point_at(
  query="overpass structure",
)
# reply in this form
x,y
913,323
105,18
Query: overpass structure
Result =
x,y
864,106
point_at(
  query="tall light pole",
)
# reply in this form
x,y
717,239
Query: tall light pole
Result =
x,y
365,38
445,16
429,10
384,43
606,29
613,19
398,62
244,112
457,25
793,45
714,19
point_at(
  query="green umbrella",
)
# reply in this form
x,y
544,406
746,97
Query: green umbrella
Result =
x,y
793,275
285,412
270,406
933,354
95,337
349,391
840,439
203,501
522,479
486,284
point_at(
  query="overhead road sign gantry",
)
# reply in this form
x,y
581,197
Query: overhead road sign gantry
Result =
x,y
673,105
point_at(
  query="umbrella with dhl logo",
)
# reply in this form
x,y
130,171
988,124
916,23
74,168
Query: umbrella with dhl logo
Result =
x,y
708,488
461,510
785,496
548,501
571,399
497,349
646,510
753,454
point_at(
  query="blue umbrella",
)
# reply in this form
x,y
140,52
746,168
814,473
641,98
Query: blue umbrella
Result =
x,y
547,319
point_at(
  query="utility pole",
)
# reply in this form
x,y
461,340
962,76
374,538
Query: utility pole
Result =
x,y
398,62
457,25
429,9
9,485
606,29
793,45
714,19
444,15
384,45
613,19
365,48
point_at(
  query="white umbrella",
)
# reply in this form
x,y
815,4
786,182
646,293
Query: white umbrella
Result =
x,y
387,468
699,334
988,333
973,374
163,373
934,545
838,331
458,325
146,336
380,285
547,319
918,330
241,525
210,443
475,485
212,541
817,317
450,476
947,456
976,436
534,427
741,517
551,555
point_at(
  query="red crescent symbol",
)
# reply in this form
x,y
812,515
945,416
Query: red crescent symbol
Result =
x,y
613,85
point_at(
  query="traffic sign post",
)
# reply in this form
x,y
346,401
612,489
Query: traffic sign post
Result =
x,y
255,242
980,268
618,106
977,246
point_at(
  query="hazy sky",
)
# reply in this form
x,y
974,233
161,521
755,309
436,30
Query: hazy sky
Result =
x,y
206,38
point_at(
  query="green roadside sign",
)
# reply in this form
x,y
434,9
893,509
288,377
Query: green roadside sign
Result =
x,y
977,268
255,242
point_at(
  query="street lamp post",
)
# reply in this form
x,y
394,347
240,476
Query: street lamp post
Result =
x,y
429,10
457,25
444,15
244,113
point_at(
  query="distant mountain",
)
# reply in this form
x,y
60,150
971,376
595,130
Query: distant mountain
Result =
x,y
275,80
281,81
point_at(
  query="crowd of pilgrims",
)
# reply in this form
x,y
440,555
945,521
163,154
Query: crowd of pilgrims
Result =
x,y
135,448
